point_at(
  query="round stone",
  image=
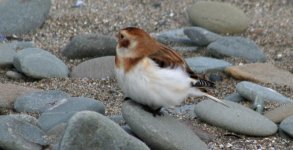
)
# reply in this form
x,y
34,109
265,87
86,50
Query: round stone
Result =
x,y
280,113
90,45
104,67
287,125
21,132
207,64
236,47
201,36
218,17
63,110
22,16
38,63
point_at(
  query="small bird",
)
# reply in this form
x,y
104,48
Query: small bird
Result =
x,y
153,74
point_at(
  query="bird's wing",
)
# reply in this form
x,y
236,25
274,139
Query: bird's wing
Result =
x,y
165,57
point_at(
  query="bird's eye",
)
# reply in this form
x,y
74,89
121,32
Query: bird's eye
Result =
x,y
121,36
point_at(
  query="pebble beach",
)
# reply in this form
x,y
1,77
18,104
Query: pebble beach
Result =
x,y
269,26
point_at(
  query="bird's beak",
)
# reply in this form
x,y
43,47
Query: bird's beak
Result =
x,y
117,36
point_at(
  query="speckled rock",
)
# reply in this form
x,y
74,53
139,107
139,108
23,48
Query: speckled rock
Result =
x,y
90,45
259,72
38,63
235,118
9,93
96,68
206,64
201,36
20,132
287,125
66,108
218,17
236,47
160,132
280,113
22,16
251,90
90,130
39,102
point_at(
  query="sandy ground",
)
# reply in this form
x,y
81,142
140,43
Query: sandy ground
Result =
x,y
270,27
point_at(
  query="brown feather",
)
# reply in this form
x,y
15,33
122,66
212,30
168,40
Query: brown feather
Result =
x,y
166,57
126,63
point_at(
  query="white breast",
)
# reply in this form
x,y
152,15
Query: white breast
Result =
x,y
150,85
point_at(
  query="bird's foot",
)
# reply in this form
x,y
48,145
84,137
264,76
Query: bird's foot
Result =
x,y
155,112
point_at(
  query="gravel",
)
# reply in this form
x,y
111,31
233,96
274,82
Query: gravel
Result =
x,y
270,26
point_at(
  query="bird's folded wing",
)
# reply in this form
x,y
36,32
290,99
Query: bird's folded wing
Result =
x,y
165,57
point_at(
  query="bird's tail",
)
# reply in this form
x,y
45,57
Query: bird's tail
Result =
x,y
215,99
201,83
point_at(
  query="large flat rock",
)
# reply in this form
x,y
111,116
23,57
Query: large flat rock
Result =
x,y
160,132
91,131
235,118
261,72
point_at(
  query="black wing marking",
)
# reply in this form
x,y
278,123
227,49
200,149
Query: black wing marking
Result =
x,y
202,83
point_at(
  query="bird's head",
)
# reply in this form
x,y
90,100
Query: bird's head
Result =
x,y
133,42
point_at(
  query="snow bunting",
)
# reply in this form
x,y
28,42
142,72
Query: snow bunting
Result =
x,y
153,74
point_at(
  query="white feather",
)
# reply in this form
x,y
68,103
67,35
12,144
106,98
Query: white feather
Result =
x,y
151,85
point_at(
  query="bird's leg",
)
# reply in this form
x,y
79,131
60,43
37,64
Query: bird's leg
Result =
x,y
126,99
155,112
